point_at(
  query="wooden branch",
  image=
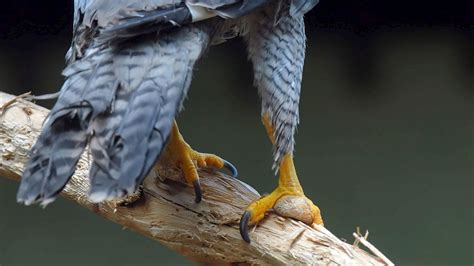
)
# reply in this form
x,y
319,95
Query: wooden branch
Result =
x,y
206,232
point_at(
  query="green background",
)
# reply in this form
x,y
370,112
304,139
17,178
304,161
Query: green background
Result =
x,y
385,143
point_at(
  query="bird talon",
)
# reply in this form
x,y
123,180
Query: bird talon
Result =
x,y
287,200
243,226
197,191
232,169
179,154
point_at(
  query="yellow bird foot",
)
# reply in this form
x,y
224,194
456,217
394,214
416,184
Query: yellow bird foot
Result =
x,y
288,204
287,200
178,153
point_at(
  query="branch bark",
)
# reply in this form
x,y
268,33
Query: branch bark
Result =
x,y
205,233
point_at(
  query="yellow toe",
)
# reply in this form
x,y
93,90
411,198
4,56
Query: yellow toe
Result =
x,y
287,200
179,154
287,204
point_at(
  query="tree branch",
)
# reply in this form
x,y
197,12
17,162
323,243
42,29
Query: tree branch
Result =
x,y
206,232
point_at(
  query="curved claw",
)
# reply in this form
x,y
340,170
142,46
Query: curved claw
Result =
x,y
197,191
231,168
244,221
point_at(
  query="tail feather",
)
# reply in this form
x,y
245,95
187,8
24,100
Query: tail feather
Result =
x,y
125,148
65,133
120,159
120,101
104,146
53,159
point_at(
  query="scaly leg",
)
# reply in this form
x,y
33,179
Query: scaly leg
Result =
x,y
289,185
180,154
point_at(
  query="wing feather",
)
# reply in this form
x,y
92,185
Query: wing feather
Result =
x,y
118,20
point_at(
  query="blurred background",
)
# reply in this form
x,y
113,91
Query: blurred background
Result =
x,y
385,141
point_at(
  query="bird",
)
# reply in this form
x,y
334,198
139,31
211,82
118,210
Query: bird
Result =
x,y
128,70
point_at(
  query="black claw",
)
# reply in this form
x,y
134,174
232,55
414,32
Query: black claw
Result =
x,y
231,168
197,191
244,221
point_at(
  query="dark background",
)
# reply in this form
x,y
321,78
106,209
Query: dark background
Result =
x,y
385,140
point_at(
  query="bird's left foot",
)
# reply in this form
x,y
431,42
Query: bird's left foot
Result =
x,y
287,199
178,153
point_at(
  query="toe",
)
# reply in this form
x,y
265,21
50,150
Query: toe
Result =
x,y
211,160
201,162
192,177
299,208
255,212
317,218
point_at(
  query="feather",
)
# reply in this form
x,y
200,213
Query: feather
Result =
x,y
277,52
163,17
145,22
300,7
154,78
121,98
64,136
241,8
124,101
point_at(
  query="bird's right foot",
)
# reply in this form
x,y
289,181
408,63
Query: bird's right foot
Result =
x,y
287,199
289,193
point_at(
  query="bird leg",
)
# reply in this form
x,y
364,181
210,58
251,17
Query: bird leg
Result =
x,y
178,153
289,189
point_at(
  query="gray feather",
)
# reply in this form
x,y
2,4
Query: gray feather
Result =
x,y
145,22
241,8
300,7
64,136
277,52
52,160
142,19
122,98
154,77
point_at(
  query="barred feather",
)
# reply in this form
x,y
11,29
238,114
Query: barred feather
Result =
x,y
277,52
121,97
124,100
87,91
128,141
